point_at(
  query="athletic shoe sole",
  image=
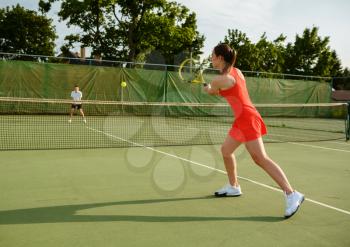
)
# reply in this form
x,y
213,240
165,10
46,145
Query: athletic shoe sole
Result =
x,y
226,195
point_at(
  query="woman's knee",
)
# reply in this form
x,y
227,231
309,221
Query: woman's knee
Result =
x,y
259,159
225,151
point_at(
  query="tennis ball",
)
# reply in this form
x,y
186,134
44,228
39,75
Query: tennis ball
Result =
x,y
123,84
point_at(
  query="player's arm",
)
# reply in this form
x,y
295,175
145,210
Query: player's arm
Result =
x,y
220,82
212,88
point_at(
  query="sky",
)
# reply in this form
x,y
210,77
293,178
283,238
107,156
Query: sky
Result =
x,y
253,17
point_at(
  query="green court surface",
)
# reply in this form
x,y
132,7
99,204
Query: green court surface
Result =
x,y
162,197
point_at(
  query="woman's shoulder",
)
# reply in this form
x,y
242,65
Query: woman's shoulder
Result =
x,y
237,73
224,81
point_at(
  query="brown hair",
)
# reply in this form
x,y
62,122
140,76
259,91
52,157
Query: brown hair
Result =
x,y
227,53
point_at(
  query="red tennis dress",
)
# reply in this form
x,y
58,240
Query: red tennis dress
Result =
x,y
248,124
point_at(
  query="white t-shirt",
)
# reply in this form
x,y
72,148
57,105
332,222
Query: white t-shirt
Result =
x,y
76,96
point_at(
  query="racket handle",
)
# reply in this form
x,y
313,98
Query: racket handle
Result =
x,y
205,84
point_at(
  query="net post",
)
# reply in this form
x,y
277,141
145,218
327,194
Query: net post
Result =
x,y
165,84
347,124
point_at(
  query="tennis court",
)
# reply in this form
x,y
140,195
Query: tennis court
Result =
x,y
143,168
114,118
158,195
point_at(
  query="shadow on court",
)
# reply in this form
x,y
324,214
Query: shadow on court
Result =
x,y
67,213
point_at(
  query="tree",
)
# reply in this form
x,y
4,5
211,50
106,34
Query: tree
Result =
x,y
346,72
244,47
328,64
264,56
156,25
89,16
130,29
308,55
270,55
97,29
24,31
176,26
311,55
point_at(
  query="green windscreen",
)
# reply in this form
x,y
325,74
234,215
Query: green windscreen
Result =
x,y
56,81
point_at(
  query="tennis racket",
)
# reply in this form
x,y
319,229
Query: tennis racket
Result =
x,y
192,71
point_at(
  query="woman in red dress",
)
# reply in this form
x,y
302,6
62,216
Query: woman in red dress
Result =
x,y
248,128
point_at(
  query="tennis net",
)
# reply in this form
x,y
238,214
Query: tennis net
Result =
x,y
27,123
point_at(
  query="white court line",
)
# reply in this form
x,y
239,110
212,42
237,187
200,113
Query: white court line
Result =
x,y
339,143
314,146
320,147
215,169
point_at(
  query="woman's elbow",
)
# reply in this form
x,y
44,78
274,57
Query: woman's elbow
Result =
x,y
213,92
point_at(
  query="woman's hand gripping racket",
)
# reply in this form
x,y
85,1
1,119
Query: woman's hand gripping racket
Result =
x,y
191,71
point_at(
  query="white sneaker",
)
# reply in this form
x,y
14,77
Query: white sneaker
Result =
x,y
293,202
84,120
70,120
229,190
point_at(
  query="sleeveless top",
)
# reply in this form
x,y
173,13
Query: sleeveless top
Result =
x,y
248,124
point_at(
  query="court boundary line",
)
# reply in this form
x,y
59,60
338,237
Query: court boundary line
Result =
x,y
314,146
340,143
218,170
320,147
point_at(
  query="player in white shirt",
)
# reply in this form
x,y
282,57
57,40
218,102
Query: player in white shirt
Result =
x,y
76,95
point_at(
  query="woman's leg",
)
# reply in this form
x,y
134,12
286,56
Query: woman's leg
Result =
x,y
227,149
257,151
293,198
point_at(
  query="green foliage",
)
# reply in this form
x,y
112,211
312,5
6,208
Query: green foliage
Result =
x,y
156,25
24,31
311,55
270,54
263,56
88,15
45,7
158,31
308,55
244,47
177,27
130,29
